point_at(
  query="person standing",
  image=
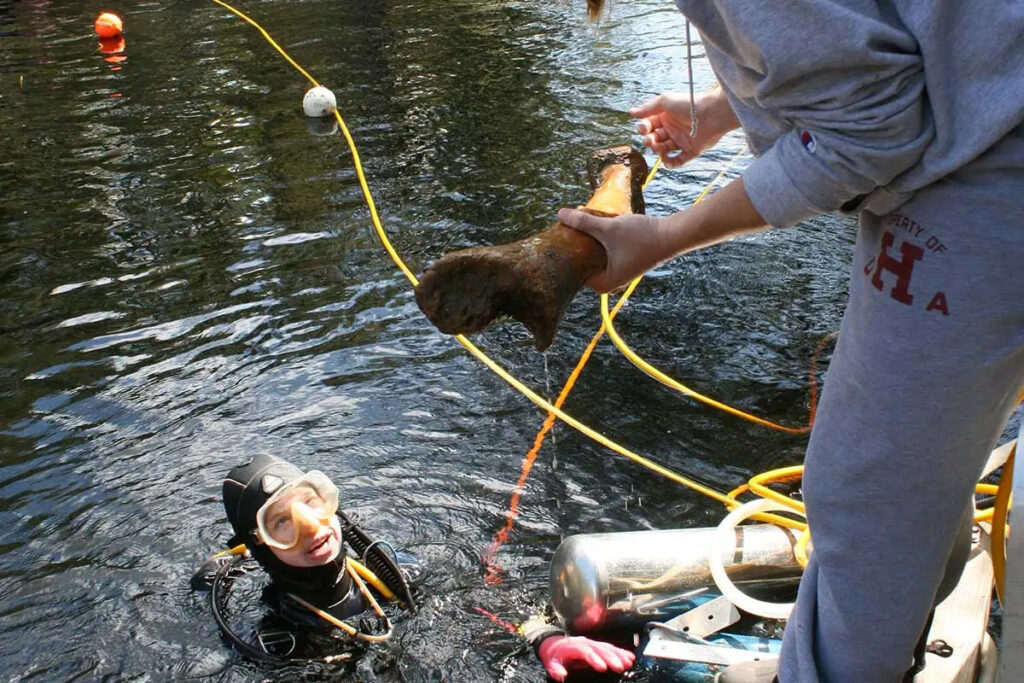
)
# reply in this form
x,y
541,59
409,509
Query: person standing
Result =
x,y
910,116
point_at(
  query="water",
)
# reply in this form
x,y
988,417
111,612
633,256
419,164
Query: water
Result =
x,y
188,275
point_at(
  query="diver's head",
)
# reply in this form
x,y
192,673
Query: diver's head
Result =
x,y
286,518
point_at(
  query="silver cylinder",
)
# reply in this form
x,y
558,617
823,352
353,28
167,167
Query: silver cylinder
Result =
x,y
620,581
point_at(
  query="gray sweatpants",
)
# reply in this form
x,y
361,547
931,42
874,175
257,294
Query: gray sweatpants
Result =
x,y
928,367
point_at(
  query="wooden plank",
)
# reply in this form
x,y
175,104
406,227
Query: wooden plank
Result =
x,y
998,457
961,620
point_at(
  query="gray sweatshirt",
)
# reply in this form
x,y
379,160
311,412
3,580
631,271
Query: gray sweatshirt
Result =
x,y
855,104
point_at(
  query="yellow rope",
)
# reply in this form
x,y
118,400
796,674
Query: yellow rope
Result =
x,y
348,138
476,352
1001,513
266,35
757,484
653,371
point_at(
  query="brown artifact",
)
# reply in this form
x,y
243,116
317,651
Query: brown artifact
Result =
x,y
532,280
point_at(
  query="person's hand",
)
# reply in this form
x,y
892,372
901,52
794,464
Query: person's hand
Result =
x,y
557,653
665,125
633,244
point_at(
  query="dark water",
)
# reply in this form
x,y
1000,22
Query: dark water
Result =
x,y
188,275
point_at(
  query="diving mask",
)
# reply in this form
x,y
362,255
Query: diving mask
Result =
x,y
310,500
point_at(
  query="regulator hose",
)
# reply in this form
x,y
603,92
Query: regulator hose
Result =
x,y
215,595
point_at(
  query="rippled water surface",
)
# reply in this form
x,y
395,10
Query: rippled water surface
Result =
x,y
188,275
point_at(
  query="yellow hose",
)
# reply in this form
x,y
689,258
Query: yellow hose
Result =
x,y
757,484
371,578
800,549
652,371
239,549
1001,512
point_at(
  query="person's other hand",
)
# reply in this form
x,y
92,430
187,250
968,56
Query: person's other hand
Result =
x,y
633,244
665,125
558,653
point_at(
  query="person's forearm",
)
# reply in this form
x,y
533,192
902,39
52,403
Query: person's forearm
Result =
x,y
715,112
723,215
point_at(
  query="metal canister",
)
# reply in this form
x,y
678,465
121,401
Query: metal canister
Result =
x,y
602,582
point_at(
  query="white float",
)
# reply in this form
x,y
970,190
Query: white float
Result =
x,y
319,101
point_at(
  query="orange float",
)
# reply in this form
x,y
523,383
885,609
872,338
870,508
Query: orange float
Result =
x,y
108,25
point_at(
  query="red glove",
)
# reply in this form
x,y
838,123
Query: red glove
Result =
x,y
559,652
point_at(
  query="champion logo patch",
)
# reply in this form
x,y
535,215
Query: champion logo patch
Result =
x,y
808,141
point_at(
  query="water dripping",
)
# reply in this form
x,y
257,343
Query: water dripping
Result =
x,y
547,391
547,376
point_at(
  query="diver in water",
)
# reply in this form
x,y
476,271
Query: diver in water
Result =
x,y
288,521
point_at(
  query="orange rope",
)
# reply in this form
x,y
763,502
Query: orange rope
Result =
x,y
813,377
493,569
511,628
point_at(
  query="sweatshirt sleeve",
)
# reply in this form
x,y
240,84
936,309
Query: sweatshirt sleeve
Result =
x,y
845,81
822,165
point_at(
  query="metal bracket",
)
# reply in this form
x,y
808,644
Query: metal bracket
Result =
x,y
652,607
664,646
707,619
940,648
682,638
268,639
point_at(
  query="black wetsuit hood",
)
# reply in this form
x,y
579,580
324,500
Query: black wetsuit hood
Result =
x,y
246,488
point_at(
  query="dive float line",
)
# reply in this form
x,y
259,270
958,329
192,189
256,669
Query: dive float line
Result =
x,y
650,370
729,502
472,348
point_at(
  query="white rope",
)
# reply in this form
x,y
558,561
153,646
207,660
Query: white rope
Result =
x,y
689,69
